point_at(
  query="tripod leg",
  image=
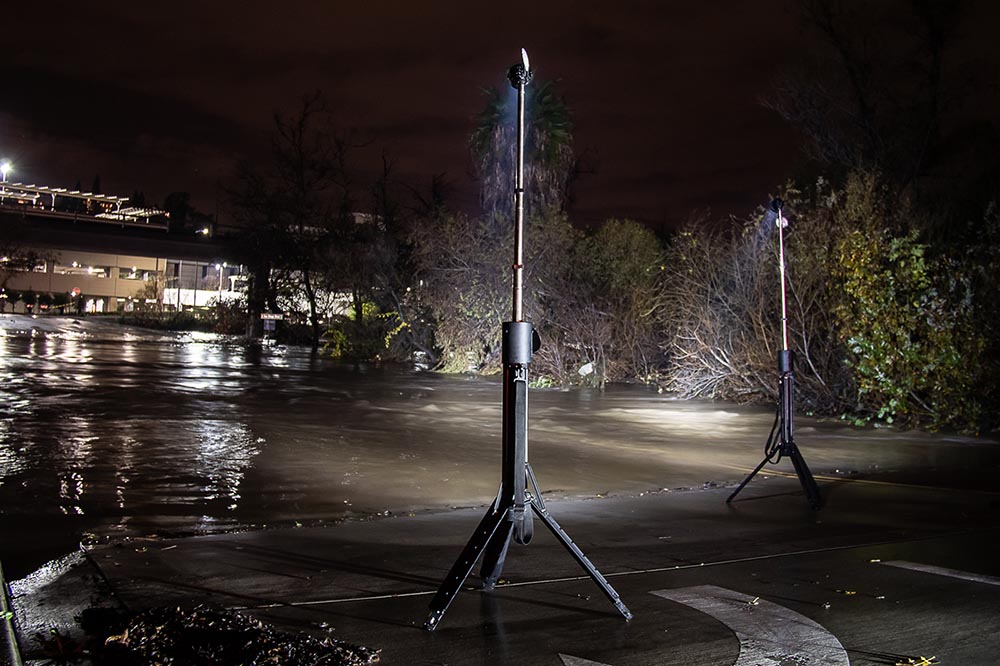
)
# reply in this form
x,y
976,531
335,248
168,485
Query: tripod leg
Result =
x,y
463,565
534,485
767,457
581,559
805,476
746,481
495,554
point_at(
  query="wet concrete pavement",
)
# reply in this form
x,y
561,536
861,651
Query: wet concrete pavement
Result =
x,y
796,581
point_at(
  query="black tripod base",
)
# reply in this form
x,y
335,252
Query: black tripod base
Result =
x,y
492,537
801,470
781,441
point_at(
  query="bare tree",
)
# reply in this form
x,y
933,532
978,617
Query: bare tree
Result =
x,y
296,211
723,310
880,93
603,308
460,269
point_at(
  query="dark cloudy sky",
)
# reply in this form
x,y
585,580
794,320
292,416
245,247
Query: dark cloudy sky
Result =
x,y
161,96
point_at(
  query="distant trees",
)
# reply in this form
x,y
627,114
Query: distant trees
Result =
x,y
397,280
291,210
179,209
310,251
182,215
16,255
16,259
386,317
885,90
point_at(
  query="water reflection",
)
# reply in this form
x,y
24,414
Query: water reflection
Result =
x,y
121,433
71,493
225,451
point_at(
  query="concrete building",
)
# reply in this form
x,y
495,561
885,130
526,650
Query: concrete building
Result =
x,y
95,254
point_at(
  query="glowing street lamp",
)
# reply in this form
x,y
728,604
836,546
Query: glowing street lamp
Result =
x,y
219,269
5,168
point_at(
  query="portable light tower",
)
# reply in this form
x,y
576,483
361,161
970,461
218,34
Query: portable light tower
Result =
x,y
511,511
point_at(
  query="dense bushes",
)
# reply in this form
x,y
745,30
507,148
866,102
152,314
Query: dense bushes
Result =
x,y
884,326
592,297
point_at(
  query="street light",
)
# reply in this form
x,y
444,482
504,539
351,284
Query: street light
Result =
x,y
5,168
219,269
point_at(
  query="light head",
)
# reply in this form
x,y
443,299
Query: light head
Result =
x,y
775,206
520,74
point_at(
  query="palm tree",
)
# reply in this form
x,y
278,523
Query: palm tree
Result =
x,y
549,164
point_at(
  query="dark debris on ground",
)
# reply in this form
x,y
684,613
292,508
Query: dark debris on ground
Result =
x,y
203,636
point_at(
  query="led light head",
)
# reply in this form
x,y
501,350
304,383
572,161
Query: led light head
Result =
x,y
520,74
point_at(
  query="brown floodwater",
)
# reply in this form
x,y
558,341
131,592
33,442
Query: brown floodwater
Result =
x,y
127,435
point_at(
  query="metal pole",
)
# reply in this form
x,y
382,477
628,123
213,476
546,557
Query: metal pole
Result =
x,y
781,268
519,76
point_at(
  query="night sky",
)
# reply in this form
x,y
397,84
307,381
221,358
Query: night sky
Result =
x,y
163,97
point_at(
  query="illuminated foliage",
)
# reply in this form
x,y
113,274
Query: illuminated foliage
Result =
x,y
883,328
463,265
603,320
594,298
368,336
906,317
549,160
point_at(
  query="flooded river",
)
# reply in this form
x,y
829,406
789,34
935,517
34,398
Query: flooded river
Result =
x,y
179,434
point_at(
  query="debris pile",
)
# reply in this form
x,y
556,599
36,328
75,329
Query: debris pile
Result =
x,y
206,636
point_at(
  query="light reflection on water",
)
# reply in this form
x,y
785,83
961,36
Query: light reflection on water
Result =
x,y
120,434
225,451
130,437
